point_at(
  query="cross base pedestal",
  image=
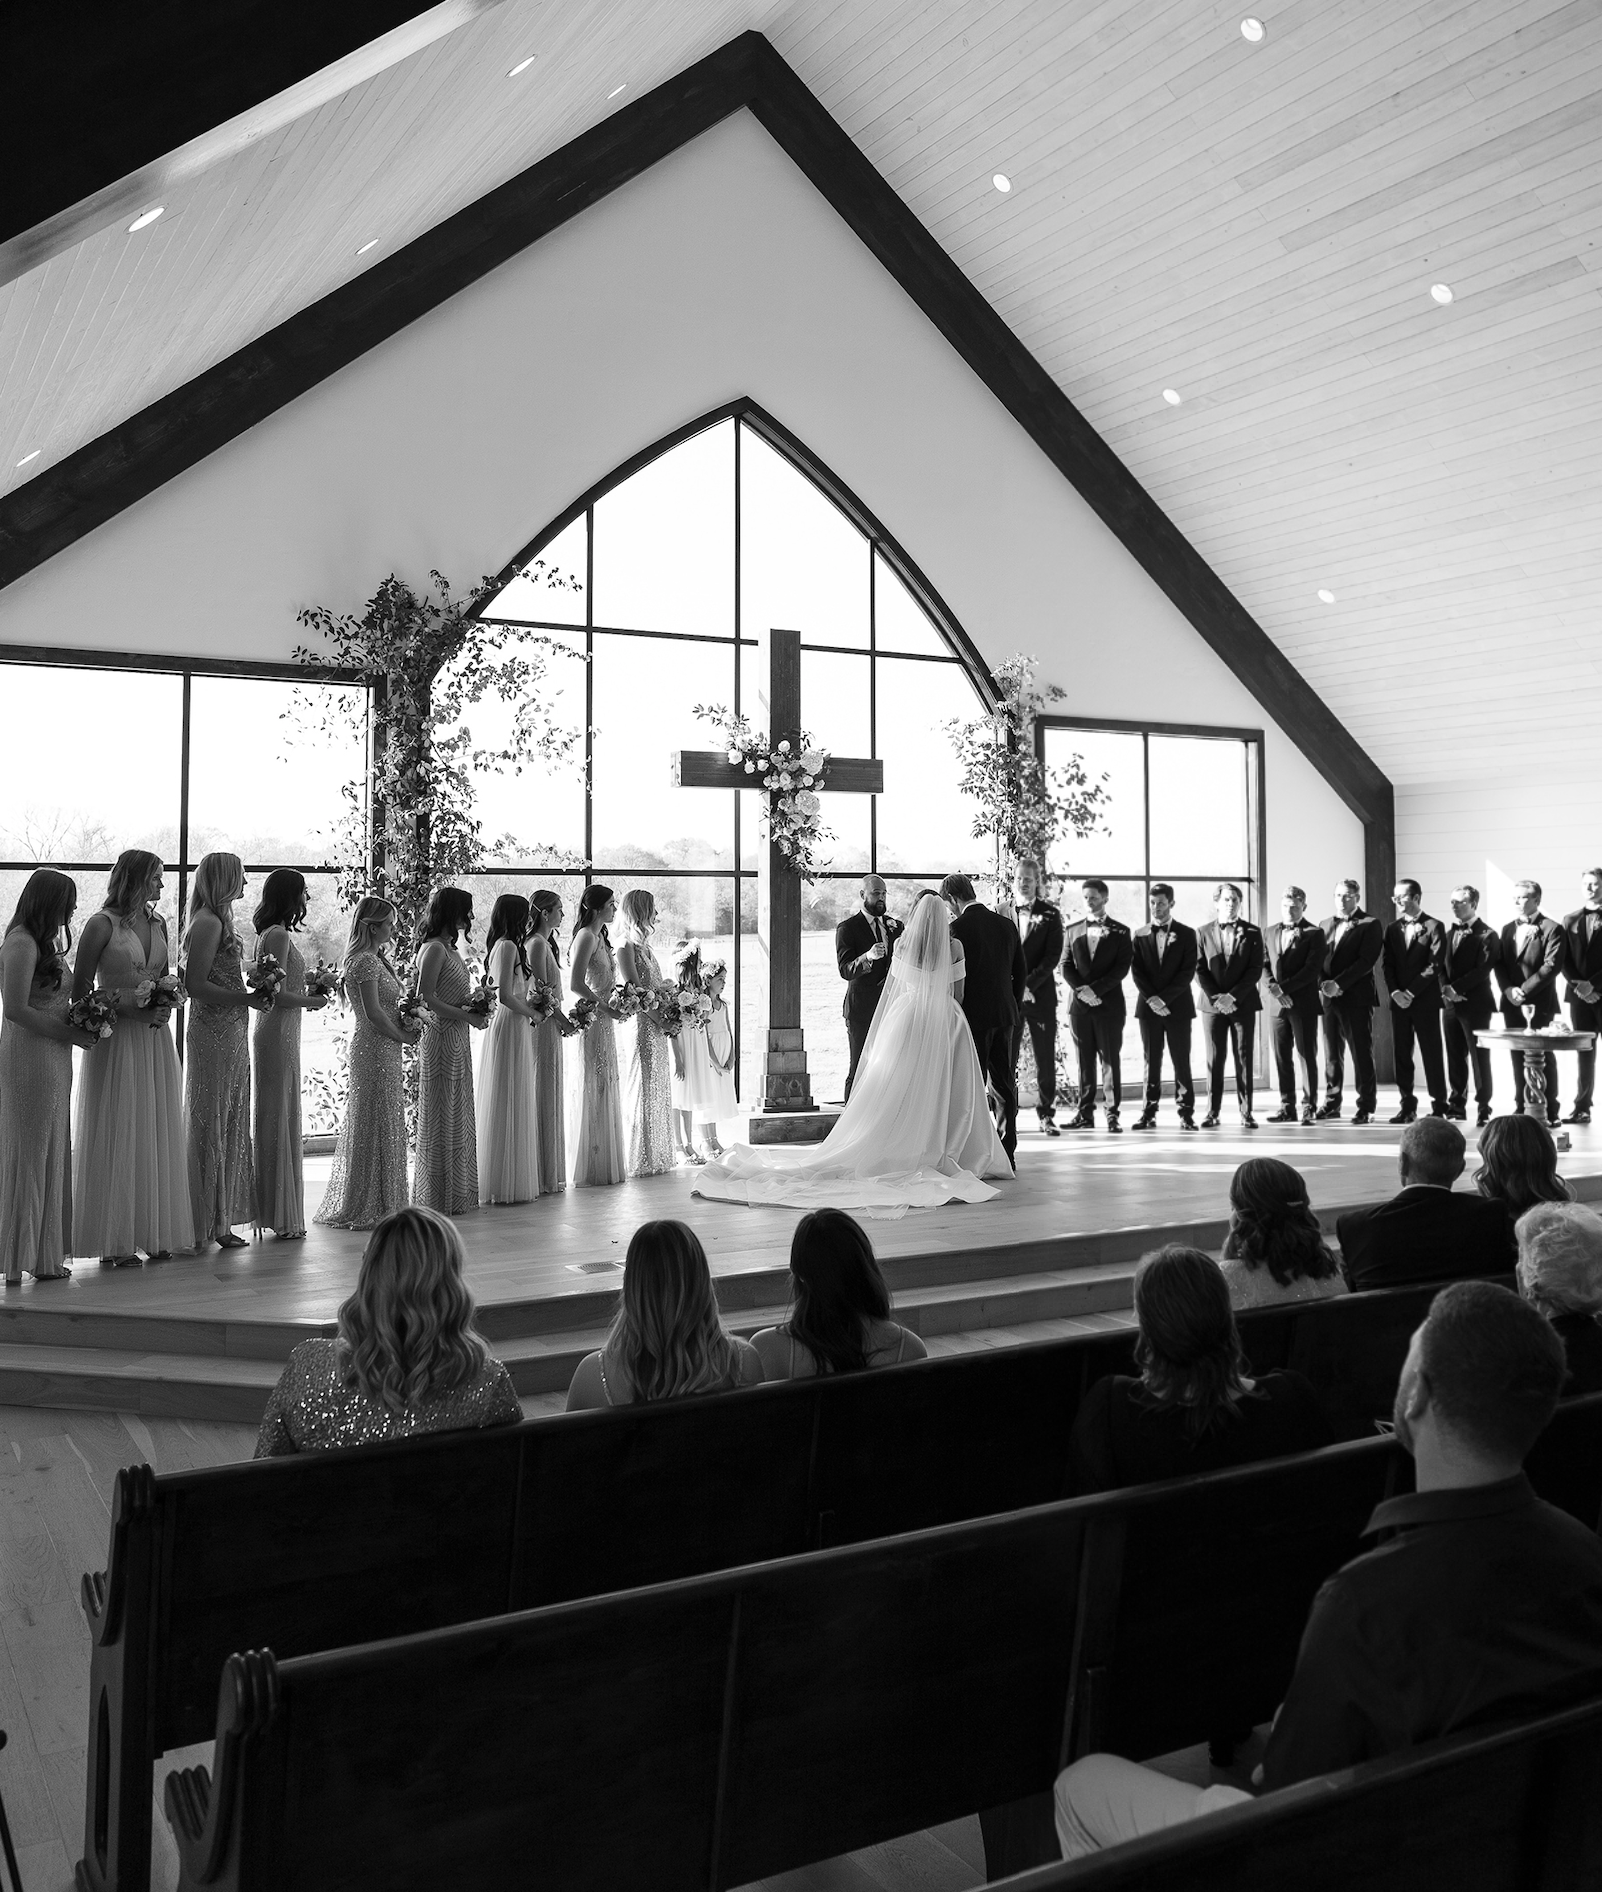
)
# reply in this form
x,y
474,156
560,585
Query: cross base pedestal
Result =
x,y
800,1126
788,1113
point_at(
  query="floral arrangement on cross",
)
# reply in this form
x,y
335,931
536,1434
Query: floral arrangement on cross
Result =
x,y
789,772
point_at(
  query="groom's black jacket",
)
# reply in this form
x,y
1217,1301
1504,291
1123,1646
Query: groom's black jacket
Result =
x,y
993,972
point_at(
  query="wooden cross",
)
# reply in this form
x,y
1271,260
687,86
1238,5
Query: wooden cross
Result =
x,y
786,1087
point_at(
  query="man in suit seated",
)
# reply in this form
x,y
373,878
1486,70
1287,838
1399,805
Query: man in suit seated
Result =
x,y
1293,955
1164,964
1529,960
1414,943
1482,1604
1582,953
1040,928
992,996
1468,957
1426,1233
1229,963
1098,952
863,944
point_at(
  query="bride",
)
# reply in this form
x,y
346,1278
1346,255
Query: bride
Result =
x,y
916,1130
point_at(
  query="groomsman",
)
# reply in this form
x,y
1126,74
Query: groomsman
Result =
x,y
1229,963
1040,927
1582,937
1097,954
1294,956
1529,960
1414,944
1468,954
1164,965
1353,942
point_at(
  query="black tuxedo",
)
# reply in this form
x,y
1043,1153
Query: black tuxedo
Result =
x,y
1533,968
852,938
1293,957
1349,1016
1425,1235
1230,970
1040,926
992,997
1413,952
1166,975
1098,1029
1582,954
1468,955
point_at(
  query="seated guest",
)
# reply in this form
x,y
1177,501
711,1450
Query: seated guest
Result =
x,y
1518,1164
1193,1409
839,1306
668,1339
1426,1233
1275,1250
1480,1603
1560,1275
405,1359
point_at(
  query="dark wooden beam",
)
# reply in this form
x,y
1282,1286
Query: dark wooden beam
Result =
x,y
711,768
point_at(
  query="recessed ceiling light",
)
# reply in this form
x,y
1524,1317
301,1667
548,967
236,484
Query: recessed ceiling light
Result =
x,y
371,244
1441,292
1002,182
616,89
521,66
1253,29
30,456
1326,597
145,218
1172,396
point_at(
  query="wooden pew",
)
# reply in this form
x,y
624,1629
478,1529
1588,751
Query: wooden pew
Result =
x,y
1516,1810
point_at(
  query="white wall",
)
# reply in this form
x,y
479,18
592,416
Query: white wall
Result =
x,y
1494,832
719,273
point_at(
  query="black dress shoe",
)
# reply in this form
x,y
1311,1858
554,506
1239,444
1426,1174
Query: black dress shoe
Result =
x,y
1080,1121
1309,1118
1114,1127
1362,1116
1554,1123
1286,1115
1247,1120
1328,1113
1456,1113
1188,1123
1147,1120
1049,1128
1578,1116
1210,1121
1481,1117
1405,1116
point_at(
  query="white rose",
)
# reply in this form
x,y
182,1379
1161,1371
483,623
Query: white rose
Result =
x,y
750,767
734,755
784,781
784,748
812,761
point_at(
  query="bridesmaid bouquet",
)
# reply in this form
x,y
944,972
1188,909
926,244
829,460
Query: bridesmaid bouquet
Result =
x,y
410,1011
94,1012
543,999
625,999
661,1009
267,975
482,995
167,990
325,981
583,1013
695,1008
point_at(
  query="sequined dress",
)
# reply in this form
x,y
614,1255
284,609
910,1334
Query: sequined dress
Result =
x,y
36,1144
601,1154
445,1176
311,1409
548,1080
649,1087
130,1163
222,1188
275,1038
505,1104
368,1180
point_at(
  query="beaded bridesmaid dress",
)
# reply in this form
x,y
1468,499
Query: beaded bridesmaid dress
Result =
x,y
548,1078
36,1145
650,1087
505,1103
280,1180
602,1154
446,1173
222,1188
130,1163
368,1180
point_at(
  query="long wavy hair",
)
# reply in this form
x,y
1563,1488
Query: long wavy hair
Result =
x,y
836,1291
667,1334
592,901
543,904
44,909
219,881
509,919
1518,1164
407,1330
638,907
283,902
371,911
128,879
1189,1351
449,916
1272,1224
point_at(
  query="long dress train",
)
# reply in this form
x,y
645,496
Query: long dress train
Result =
x,y
280,1170
649,1088
446,1173
368,1180
549,1102
505,1105
222,1188
36,1145
601,1154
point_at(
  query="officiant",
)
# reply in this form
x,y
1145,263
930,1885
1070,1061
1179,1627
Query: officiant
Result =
x,y
863,944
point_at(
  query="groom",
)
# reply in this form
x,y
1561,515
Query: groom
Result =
x,y
992,995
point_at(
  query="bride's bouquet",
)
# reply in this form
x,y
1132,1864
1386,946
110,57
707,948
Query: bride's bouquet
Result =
x,y
543,1000
167,990
95,1012
625,999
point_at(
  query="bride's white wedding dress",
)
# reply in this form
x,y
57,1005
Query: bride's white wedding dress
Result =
x,y
917,1129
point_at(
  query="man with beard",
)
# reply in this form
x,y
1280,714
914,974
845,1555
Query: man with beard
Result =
x,y
863,943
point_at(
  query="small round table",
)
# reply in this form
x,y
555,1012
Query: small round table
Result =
x,y
1535,1066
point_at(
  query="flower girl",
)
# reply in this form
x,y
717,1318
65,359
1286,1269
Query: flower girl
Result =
x,y
712,1096
689,1050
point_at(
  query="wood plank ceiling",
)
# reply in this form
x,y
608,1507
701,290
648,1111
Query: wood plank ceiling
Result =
x,y
1256,226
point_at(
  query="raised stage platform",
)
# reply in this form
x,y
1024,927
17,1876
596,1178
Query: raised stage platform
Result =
x,y
204,1337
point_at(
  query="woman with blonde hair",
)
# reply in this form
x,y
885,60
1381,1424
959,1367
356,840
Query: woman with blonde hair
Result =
x,y
368,1181
130,1164
648,1076
668,1339
217,1115
405,1359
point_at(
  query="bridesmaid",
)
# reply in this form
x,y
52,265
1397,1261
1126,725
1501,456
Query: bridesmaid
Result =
x,y
650,1087
36,1082
544,963
130,1167
222,1182
368,1181
446,1175
280,1182
602,1153
505,1104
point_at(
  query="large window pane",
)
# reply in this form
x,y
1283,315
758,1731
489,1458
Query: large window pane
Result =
x,y
898,620
822,992
1118,845
834,709
925,822
90,763
664,542
552,590
1199,819
803,565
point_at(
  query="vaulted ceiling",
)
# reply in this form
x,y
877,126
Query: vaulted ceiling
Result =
x,y
1254,226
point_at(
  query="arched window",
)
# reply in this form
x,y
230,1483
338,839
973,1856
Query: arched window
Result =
x,y
678,566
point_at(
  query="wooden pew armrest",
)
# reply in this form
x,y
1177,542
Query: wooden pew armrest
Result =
x,y
203,1812
104,1592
